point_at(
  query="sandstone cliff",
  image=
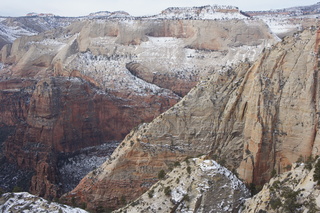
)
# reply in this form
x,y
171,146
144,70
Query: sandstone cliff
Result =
x,y
254,119
93,81
64,115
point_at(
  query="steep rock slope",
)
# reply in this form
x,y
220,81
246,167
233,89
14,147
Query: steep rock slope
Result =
x,y
61,114
253,119
292,191
94,80
197,185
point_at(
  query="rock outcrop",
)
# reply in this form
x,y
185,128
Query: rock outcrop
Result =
x,y
25,202
12,28
195,185
287,21
292,191
60,114
254,119
93,81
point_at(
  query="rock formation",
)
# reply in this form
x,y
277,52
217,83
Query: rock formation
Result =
x,y
94,80
292,191
195,185
287,21
25,202
64,115
255,119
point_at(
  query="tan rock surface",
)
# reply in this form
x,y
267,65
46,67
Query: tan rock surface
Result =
x,y
255,119
292,191
80,92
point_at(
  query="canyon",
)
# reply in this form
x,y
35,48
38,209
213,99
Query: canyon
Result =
x,y
245,118
189,82
93,80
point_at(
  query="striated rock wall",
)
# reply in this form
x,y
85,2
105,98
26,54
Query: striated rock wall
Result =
x,y
73,87
64,115
254,119
180,49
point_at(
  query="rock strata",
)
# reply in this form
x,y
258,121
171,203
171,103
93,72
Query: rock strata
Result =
x,y
254,119
64,115
94,80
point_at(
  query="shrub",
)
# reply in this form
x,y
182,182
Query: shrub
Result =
x,y
17,189
123,200
178,180
300,159
316,175
167,191
254,189
161,174
177,163
83,205
189,170
150,193
310,160
186,198
290,203
275,203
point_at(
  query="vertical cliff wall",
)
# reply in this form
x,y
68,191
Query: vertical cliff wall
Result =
x,y
254,119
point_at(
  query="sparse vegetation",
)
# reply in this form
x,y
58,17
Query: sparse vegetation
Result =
x,y
178,180
300,159
309,162
290,204
316,175
254,189
150,193
189,170
161,174
275,203
123,200
288,167
167,191
17,189
73,201
176,164
186,198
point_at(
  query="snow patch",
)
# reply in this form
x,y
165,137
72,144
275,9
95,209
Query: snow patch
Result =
x,y
217,12
212,168
73,167
27,203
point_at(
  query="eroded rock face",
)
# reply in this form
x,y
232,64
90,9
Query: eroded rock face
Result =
x,y
78,90
183,50
293,191
65,115
255,119
195,185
